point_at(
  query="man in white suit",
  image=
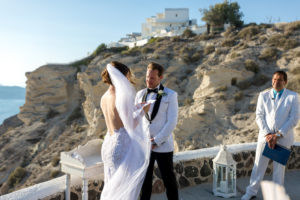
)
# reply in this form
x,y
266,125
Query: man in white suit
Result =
x,y
277,113
161,120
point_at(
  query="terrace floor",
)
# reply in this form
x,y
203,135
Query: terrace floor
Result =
x,y
204,191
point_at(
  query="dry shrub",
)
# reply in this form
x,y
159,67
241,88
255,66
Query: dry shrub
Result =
x,y
54,173
262,39
204,37
16,176
282,41
230,32
188,101
234,55
238,96
290,28
190,55
187,33
251,65
294,83
268,54
277,40
55,161
228,42
290,44
146,50
209,49
221,89
248,32
260,79
244,84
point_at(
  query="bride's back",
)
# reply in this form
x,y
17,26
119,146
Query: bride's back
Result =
x,y
112,118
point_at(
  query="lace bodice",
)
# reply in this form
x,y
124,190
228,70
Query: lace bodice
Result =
x,y
115,147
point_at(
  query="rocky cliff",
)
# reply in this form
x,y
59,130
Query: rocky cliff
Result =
x,y
217,77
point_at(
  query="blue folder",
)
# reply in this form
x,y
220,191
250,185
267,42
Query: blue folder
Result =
x,y
279,154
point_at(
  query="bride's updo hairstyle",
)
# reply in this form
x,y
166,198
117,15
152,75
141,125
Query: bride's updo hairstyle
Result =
x,y
121,67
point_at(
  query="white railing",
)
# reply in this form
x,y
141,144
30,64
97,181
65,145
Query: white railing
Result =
x,y
58,185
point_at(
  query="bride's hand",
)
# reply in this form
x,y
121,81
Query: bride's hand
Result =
x,y
146,108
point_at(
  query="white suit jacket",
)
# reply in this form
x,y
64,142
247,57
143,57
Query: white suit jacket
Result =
x,y
165,120
274,115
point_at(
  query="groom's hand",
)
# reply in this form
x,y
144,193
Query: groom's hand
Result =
x,y
154,145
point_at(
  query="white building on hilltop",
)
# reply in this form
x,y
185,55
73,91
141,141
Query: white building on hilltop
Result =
x,y
172,22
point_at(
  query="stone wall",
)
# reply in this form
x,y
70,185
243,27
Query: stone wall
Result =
x,y
193,168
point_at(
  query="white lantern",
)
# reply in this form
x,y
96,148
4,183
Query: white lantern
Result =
x,y
224,176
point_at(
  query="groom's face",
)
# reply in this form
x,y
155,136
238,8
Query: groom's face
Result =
x,y
152,78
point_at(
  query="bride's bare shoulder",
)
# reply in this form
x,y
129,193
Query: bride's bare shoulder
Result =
x,y
106,98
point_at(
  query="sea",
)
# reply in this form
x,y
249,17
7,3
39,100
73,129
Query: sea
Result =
x,y
11,99
9,107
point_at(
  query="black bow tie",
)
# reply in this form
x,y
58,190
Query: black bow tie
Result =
x,y
152,90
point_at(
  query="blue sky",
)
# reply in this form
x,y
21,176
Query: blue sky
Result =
x,y
36,32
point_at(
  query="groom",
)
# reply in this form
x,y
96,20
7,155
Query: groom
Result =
x,y
161,120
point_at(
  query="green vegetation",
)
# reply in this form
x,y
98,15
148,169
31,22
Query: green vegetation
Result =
x,y
131,52
16,176
154,40
222,13
101,48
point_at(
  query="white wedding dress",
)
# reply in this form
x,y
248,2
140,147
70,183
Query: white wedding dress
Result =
x,y
125,153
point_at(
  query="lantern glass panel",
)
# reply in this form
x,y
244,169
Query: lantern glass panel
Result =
x,y
230,180
219,175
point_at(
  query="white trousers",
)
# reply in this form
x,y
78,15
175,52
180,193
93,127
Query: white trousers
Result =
x,y
259,169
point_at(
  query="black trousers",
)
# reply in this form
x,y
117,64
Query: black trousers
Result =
x,y
165,166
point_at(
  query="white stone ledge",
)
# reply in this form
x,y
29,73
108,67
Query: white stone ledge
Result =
x,y
57,185
212,152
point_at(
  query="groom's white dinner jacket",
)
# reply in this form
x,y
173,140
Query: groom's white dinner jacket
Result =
x,y
277,114
165,120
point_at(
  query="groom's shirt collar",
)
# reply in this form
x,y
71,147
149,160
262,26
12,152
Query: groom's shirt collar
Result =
x,y
275,93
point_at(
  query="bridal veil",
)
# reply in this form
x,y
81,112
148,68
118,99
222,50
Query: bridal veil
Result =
x,y
127,180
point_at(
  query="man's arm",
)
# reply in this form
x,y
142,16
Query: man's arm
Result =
x,y
292,119
172,115
261,116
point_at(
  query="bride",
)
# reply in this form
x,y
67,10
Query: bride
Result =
x,y
126,147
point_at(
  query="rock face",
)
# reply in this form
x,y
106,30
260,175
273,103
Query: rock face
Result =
x,y
50,88
217,94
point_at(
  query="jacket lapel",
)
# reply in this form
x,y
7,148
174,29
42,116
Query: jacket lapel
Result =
x,y
157,103
144,100
281,99
272,99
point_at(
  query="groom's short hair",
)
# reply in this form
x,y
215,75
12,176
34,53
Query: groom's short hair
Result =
x,y
156,66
